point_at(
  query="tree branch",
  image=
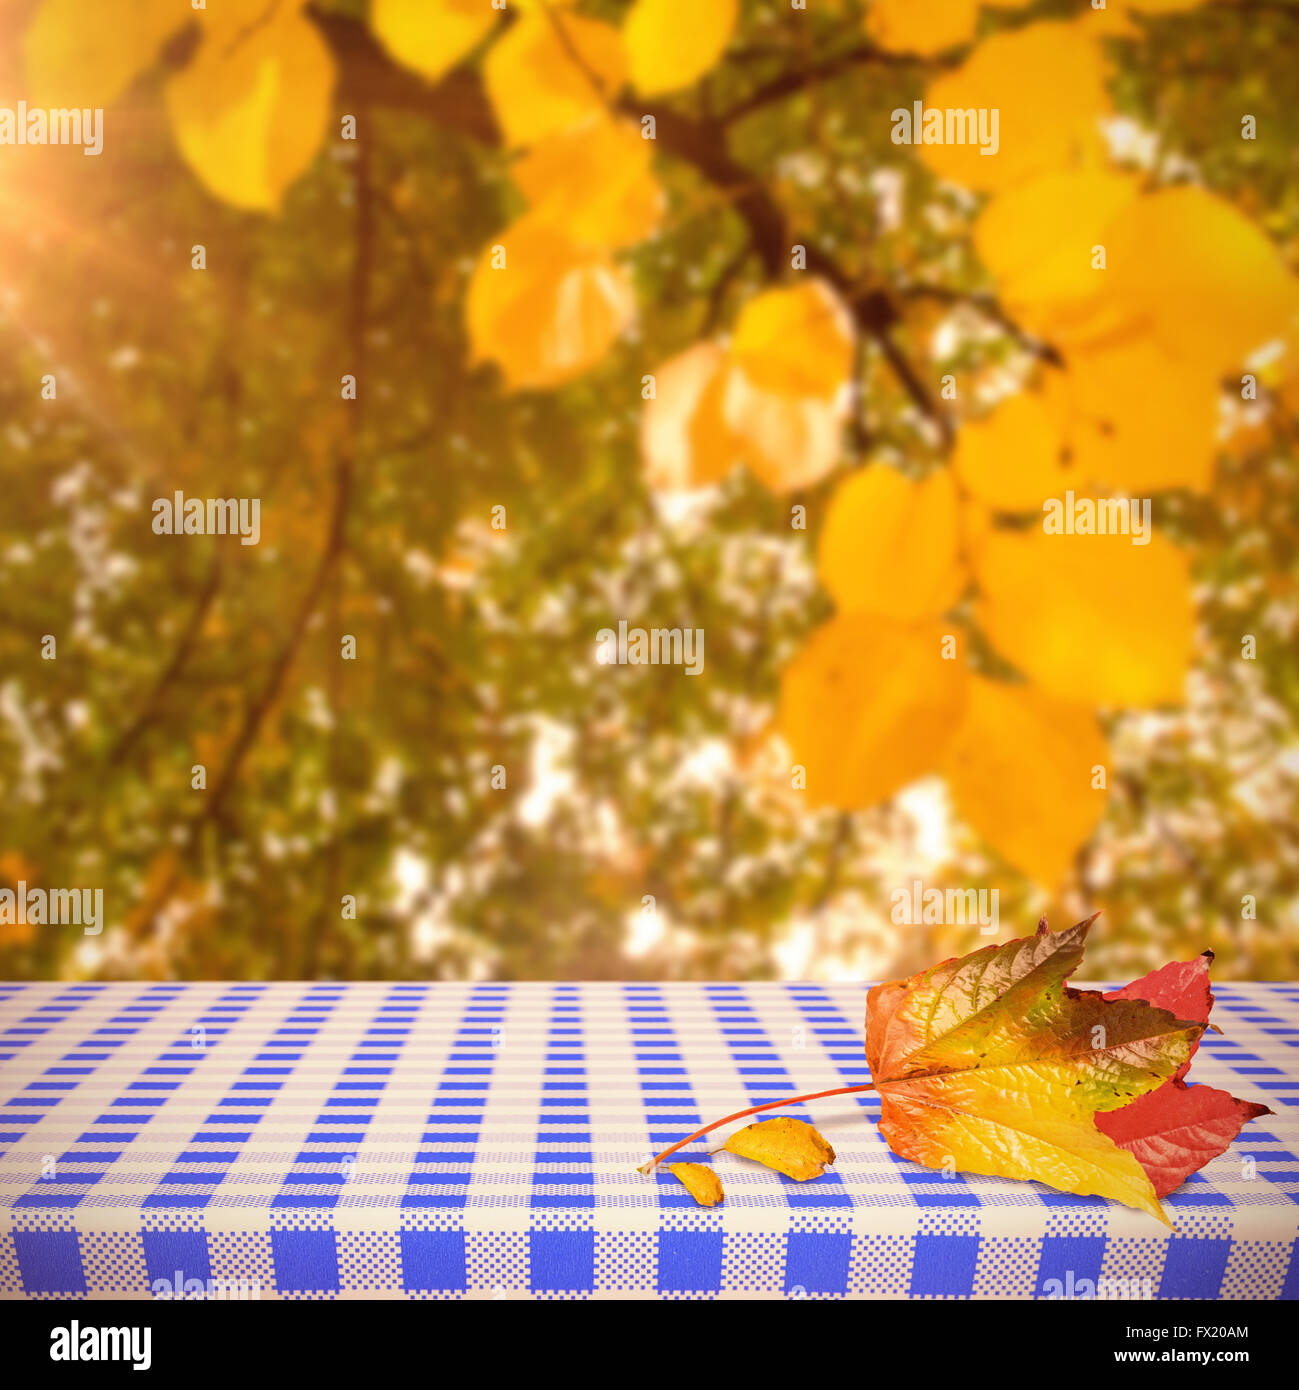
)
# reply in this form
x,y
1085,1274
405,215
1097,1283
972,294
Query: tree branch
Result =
x,y
796,80
459,103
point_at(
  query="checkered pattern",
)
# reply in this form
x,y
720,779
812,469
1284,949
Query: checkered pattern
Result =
x,y
459,1140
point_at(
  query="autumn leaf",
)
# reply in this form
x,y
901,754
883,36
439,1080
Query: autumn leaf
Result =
x,y
663,53
795,342
1037,240
552,71
430,36
77,54
787,440
890,546
685,441
1090,618
700,1181
868,705
594,182
249,114
1013,458
1022,771
990,1064
707,415
1175,1130
1208,281
1047,81
545,308
789,1146
921,26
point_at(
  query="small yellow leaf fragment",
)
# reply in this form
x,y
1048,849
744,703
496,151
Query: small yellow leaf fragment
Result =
x,y
700,1181
789,1146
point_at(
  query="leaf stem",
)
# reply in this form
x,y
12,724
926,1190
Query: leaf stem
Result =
x,y
753,1110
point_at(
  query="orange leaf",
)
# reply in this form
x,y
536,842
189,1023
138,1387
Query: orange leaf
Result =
x,y
789,1146
700,1181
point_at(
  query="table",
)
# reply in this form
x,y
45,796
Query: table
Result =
x,y
462,1140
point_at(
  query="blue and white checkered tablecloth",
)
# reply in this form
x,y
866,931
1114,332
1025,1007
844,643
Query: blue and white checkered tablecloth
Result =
x,y
462,1140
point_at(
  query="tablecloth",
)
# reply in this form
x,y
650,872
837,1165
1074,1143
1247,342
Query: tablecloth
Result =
x,y
426,1140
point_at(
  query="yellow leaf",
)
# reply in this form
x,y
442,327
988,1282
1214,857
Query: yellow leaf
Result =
x,y
1141,421
551,311
250,114
789,1146
430,36
595,182
795,342
1014,459
1210,284
685,440
1090,618
1020,772
1047,81
666,51
890,546
787,441
551,71
1036,240
86,54
921,26
867,706
700,1181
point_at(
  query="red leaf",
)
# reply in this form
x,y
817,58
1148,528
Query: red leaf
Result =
x,y
1175,1130
1181,987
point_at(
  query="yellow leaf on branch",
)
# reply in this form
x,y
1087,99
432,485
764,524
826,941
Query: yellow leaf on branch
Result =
x,y
551,71
1162,434
700,1181
787,441
1210,284
921,26
249,114
79,54
706,416
1015,458
1046,81
666,51
431,36
685,440
891,546
867,706
1094,619
595,182
1021,769
796,342
1037,241
789,1146
543,307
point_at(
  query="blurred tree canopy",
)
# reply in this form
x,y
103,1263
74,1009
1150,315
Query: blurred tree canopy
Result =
x,y
503,371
